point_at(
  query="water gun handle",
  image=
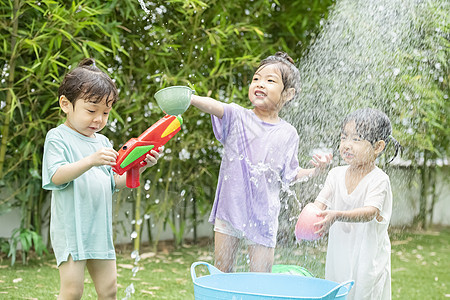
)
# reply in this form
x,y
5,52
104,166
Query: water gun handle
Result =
x,y
133,178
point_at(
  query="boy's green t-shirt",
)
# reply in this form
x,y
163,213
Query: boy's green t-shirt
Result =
x,y
81,210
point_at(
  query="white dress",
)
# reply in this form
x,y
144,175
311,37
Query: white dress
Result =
x,y
360,251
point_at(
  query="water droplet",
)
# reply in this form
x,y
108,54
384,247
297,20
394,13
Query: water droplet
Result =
x,y
134,254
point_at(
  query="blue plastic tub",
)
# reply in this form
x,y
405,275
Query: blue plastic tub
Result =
x,y
237,286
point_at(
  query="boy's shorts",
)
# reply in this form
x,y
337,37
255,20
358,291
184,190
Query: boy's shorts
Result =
x,y
225,227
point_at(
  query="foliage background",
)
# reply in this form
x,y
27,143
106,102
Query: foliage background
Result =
x,y
211,46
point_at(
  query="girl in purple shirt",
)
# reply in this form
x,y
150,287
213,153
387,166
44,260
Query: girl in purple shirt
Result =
x,y
260,154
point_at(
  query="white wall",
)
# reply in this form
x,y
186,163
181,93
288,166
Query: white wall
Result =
x,y
405,206
204,229
406,195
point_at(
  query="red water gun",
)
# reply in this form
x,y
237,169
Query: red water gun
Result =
x,y
132,154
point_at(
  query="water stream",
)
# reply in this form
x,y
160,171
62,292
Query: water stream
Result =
x,y
364,56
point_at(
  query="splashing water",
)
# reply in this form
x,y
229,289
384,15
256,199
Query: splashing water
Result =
x,y
360,59
144,7
289,200
129,291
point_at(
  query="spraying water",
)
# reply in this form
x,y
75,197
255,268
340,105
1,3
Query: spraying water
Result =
x,y
359,60
362,57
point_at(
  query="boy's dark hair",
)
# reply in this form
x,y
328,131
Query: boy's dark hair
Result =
x,y
88,82
290,75
372,125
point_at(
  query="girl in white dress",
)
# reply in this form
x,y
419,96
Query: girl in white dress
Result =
x,y
356,204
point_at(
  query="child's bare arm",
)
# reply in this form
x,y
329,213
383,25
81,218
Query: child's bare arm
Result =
x,y
69,172
357,215
302,173
208,105
362,214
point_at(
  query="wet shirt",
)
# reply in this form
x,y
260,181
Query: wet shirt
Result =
x,y
258,159
81,210
360,251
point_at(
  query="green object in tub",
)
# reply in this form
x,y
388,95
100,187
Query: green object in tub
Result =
x,y
292,270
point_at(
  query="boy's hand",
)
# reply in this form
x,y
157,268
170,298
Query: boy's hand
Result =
x,y
104,156
150,160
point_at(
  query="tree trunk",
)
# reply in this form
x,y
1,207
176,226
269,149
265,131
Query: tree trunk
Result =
x,y
149,231
194,218
137,216
433,192
424,172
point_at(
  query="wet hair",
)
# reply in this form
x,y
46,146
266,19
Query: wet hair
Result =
x,y
290,75
88,82
372,125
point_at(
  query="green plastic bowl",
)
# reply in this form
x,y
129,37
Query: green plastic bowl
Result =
x,y
291,269
174,100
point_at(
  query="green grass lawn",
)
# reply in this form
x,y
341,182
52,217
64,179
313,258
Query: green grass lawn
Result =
x,y
420,270
421,265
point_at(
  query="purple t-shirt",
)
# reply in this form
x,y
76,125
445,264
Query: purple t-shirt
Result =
x,y
257,158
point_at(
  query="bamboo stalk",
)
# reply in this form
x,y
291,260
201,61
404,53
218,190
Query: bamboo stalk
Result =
x,y
160,220
137,215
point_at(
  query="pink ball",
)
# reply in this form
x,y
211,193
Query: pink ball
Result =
x,y
304,230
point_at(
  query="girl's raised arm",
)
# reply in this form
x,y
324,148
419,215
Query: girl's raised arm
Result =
x,y
208,105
